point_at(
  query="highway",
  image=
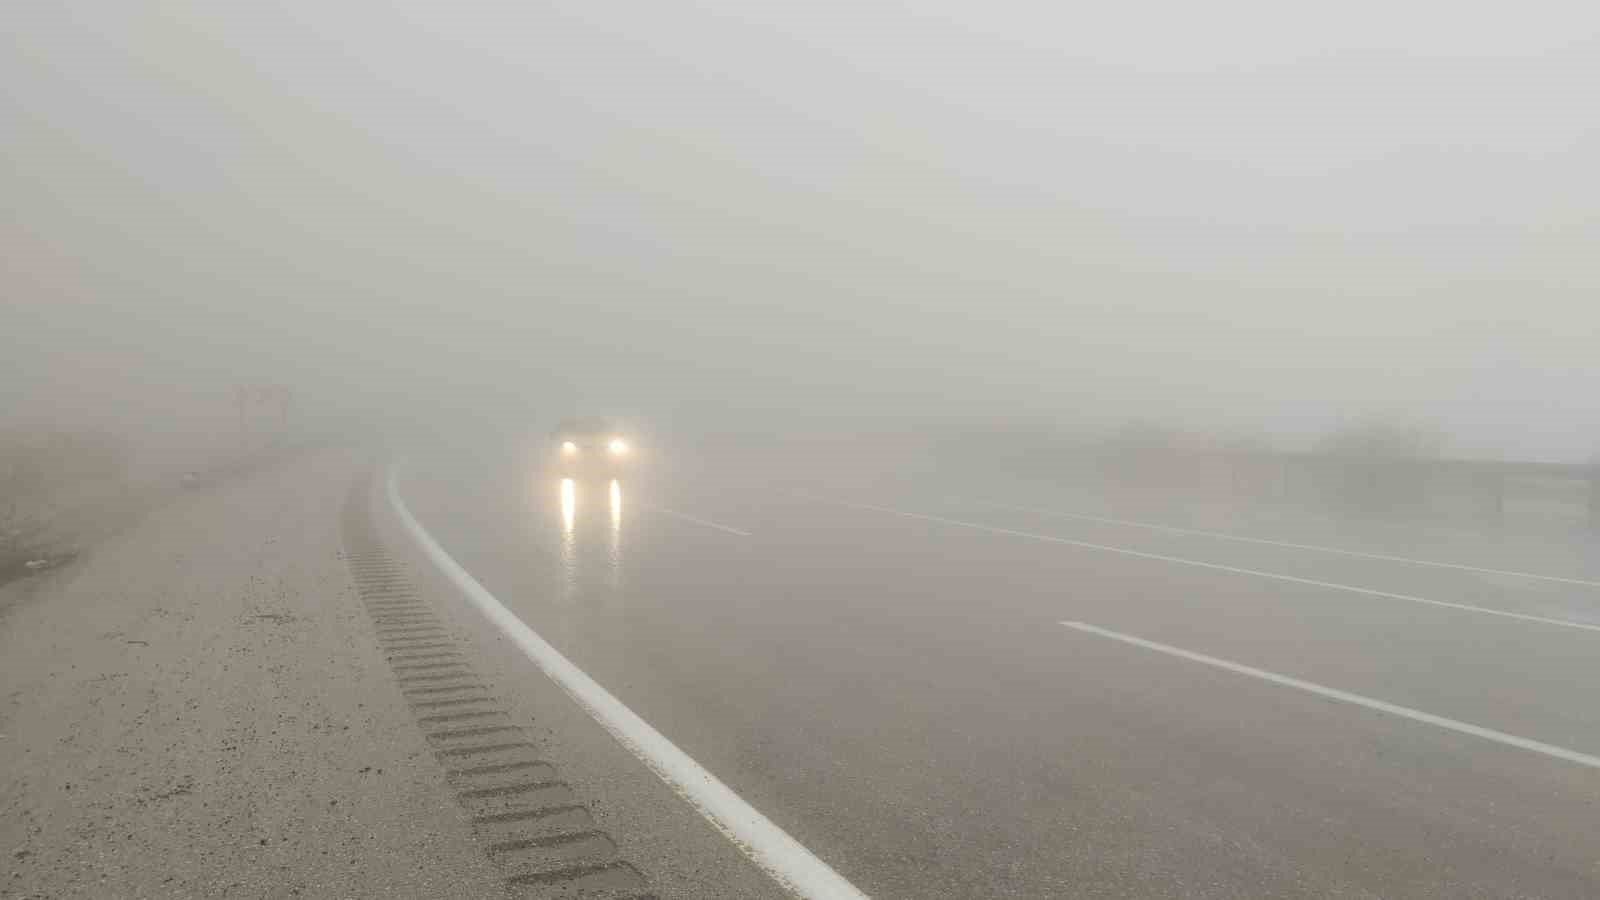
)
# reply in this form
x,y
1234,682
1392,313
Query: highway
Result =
x,y
968,686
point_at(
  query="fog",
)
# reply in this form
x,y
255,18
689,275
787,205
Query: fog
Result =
x,y
1239,216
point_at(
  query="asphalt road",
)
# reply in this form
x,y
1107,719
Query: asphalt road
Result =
x,y
880,666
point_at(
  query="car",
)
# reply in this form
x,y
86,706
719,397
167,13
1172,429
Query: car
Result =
x,y
593,446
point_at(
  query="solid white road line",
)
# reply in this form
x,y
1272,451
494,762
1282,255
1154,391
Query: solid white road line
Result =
x,y
1405,712
1178,560
695,519
1225,536
770,847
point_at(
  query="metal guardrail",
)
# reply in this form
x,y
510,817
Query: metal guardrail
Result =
x,y
1491,480
1485,489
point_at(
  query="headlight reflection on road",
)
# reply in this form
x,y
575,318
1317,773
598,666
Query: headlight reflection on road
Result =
x,y
616,533
572,568
569,505
569,538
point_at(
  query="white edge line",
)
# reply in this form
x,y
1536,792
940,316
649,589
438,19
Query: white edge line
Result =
x,y
695,519
1225,536
1465,607
783,858
1393,709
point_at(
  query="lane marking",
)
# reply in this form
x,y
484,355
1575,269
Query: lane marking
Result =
x,y
695,519
1218,567
1226,536
783,858
1393,709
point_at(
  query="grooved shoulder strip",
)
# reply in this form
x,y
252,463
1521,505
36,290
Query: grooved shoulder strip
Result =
x,y
531,824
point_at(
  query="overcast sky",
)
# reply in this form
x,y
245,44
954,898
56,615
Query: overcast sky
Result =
x,y
1240,212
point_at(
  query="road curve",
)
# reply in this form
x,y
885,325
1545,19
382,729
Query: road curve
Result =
x,y
899,694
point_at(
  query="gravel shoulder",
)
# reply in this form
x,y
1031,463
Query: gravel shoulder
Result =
x,y
197,707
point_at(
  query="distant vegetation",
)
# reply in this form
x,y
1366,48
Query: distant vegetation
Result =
x,y
1143,435
1377,439
1375,465
42,471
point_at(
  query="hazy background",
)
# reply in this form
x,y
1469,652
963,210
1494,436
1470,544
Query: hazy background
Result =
x,y
1240,215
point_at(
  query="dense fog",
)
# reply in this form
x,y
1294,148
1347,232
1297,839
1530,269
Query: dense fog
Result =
x,y
1243,217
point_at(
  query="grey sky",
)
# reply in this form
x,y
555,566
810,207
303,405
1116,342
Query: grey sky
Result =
x,y
1236,212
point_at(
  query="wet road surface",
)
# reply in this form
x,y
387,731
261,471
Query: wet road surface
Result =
x,y
880,666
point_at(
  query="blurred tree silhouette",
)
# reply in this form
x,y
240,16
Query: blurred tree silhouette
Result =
x,y
1377,465
1377,439
36,469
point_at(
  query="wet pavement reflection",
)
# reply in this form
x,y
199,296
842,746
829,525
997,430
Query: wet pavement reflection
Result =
x,y
569,540
615,569
578,539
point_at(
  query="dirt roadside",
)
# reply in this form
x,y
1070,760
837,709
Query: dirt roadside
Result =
x,y
107,507
195,707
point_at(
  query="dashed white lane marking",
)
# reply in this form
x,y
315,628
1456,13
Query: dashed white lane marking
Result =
x,y
783,858
1393,709
1218,567
1340,551
695,519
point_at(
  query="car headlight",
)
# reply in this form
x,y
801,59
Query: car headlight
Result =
x,y
568,448
618,446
